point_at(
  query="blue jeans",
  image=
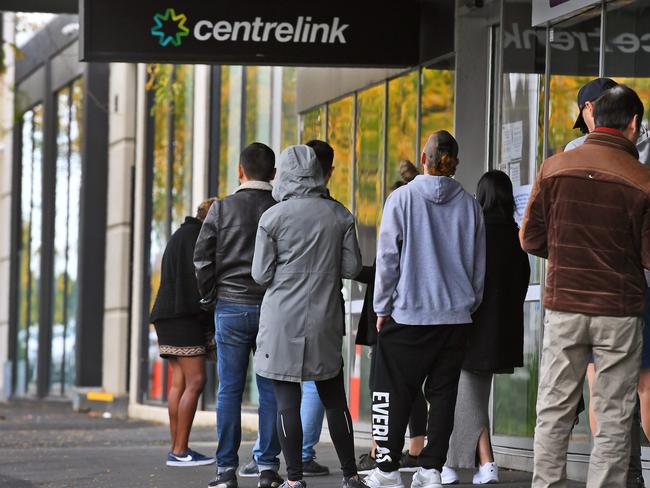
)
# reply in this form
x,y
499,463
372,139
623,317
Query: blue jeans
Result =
x,y
312,413
236,331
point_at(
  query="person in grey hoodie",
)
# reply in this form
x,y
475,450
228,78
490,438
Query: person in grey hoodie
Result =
x,y
429,280
304,246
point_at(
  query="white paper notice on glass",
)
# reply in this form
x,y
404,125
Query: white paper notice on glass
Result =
x,y
522,195
512,141
515,174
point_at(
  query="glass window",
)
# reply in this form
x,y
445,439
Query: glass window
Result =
x,y
29,251
258,104
312,125
437,103
171,191
402,124
231,127
66,237
289,109
340,135
368,202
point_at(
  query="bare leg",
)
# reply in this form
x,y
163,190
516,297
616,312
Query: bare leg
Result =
x,y
175,393
484,448
194,374
416,444
644,397
591,374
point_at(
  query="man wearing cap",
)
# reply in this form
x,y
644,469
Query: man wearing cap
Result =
x,y
587,97
589,215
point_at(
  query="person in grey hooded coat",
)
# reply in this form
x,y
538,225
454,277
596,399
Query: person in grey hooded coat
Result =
x,y
304,246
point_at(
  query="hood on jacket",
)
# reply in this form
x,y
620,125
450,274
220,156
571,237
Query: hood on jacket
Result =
x,y
437,189
298,174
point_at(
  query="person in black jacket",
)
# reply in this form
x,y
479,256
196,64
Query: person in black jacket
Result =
x,y
222,260
185,336
497,338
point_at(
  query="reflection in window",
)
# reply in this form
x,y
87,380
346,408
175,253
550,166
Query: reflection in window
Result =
x,y
313,125
437,102
402,124
289,109
258,104
66,237
340,134
515,395
171,192
230,124
29,251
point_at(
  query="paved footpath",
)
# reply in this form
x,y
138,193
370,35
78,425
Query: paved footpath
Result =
x,y
45,445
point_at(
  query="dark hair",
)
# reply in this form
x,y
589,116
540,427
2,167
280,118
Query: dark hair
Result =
x,y
258,161
396,185
494,193
441,152
616,107
324,154
407,171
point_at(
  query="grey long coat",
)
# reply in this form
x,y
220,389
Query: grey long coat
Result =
x,y
304,246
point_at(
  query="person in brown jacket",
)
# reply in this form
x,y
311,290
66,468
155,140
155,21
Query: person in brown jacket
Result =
x,y
589,215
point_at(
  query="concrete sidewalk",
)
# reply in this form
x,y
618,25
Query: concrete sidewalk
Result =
x,y
46,445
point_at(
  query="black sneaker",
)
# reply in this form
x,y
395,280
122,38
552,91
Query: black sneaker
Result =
x,y
635,482
227,479
269,479
354,482
366,464
408,463
249,470
312,468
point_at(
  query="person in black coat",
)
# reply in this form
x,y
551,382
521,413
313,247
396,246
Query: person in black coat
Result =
x,y
185,336
497,338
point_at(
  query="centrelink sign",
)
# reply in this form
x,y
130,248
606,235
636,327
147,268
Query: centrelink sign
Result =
x,y
291,32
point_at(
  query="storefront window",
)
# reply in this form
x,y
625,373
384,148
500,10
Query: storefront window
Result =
x,y
258,104
289,112
29,252
66,237
313,125
230,123
171,193
437,111
340,134
402,124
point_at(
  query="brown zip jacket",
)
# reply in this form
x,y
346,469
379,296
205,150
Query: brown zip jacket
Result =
x,y
589,215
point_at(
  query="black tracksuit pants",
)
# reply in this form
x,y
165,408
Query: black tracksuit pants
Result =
x,y
332,394
407,357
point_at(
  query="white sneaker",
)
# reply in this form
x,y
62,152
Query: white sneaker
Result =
x,y
487,473
379,479
426,478
449,476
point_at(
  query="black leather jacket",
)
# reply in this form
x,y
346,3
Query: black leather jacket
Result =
x,y
224,250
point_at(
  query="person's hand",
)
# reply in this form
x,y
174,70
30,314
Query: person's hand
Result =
x,y
380,322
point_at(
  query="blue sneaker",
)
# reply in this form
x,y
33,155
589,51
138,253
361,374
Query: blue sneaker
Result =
x,y
189,458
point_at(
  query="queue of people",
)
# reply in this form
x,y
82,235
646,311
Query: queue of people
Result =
x,y
443,311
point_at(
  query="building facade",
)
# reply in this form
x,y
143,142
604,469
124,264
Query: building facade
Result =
x,y
100,163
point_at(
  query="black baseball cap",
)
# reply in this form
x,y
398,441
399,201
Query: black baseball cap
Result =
x,y
588,93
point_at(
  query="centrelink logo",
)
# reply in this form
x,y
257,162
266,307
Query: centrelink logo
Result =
x,y
170,28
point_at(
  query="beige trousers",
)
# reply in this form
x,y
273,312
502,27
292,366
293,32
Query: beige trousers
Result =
x,y
569,338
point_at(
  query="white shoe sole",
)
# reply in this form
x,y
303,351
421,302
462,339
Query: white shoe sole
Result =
x,y
189,464
488,482
399,485
248,475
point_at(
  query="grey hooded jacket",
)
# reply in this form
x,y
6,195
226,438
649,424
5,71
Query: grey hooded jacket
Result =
x,y
304,246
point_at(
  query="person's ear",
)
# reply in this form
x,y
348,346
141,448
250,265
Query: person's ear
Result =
x,y
240,168
634,124
423,160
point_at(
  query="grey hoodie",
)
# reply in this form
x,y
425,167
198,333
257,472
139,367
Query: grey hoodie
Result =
x,y
430,254
304,246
